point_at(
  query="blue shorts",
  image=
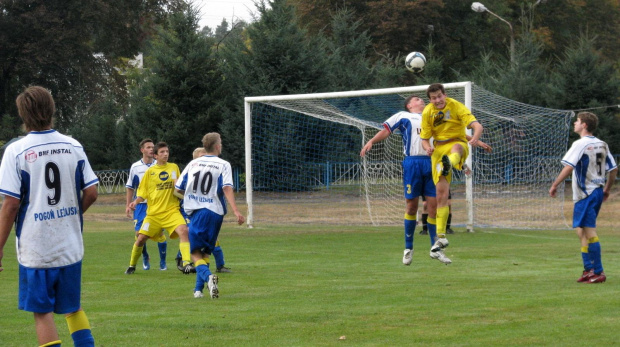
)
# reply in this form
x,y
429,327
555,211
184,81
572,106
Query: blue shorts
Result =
x,y
138,216
50,290
586,210
418,177
203,230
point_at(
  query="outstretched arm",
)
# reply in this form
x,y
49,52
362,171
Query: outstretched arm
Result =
x,y
477,133
481,144
380,136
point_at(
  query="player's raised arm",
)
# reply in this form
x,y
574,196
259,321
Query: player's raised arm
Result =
x,y
380,136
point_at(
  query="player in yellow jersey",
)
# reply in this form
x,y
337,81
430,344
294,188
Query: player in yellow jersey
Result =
x,y
157,187
445,120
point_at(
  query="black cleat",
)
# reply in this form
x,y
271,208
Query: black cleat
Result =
x,y
130,270
447,166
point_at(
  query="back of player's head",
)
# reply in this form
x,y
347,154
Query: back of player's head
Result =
x,y
159,146
210,140
36,108
435,87
590,119
199,152
144,142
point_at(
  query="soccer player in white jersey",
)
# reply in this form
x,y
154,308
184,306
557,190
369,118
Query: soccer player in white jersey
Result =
x,y
417,172
589,160
205,182
47,183
136,172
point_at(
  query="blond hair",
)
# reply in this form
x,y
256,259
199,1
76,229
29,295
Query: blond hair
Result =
x,y
199,152
210,140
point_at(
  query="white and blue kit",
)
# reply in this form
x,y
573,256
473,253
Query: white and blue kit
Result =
x,y
417,172
136,172
47,172
591,161
203,180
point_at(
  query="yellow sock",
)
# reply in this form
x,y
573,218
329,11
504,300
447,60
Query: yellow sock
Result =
x,y
77,321
455,159
410,217
53,343
184,248
442,220
584,249
203,261
136,252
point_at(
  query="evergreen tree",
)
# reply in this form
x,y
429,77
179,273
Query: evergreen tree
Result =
x,y
176,99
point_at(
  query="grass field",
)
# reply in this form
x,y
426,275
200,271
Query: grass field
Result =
x,y
310,285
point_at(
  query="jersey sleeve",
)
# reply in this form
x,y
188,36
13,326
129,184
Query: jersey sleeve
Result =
x,y
392,123
89,176
610,162
181,183
465,115
10,182
572,155
227,175
427,130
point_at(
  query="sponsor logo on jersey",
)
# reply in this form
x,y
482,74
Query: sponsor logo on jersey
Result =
x,y
163,175
30,156
438,119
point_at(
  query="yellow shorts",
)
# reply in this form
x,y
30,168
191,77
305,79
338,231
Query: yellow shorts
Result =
x,y
153,225
442,149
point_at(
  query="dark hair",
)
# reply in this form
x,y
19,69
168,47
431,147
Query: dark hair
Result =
x,y
590,119
36,107
158,146
435,87
145,141
408,100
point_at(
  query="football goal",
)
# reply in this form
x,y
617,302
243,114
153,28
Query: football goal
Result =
x,y
303,163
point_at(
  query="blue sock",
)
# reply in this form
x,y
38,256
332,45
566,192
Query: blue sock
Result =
x,y
218,254
410,222
432,230
202,276
163,246
594,250
83,338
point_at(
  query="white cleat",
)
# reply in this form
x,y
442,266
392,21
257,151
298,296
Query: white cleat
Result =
x,y
407,256
198,294
441,257
212,285
440,244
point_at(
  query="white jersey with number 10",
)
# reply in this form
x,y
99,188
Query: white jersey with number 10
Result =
x,y
202,180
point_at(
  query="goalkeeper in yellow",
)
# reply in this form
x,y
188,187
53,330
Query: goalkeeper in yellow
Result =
x,y
445,119
157,187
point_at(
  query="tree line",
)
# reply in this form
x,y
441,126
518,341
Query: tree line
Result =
x,y
193,80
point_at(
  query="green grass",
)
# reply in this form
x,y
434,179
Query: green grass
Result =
x,y
309,285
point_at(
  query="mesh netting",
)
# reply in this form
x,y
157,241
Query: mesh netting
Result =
x,y
306,166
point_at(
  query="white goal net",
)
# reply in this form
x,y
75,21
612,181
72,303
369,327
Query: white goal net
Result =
x,y
303,163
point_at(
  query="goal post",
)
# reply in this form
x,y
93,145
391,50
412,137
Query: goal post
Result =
x,y
302,160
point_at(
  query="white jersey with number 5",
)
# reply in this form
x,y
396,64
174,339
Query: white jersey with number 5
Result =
x,y
591,160
47,172
202,180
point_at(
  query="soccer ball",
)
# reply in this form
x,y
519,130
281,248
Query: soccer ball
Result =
x,y
415,62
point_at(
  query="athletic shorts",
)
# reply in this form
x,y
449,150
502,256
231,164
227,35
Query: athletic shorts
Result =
x,y
586,210
204,230
138,216
153,225
418,177
442,149
50,290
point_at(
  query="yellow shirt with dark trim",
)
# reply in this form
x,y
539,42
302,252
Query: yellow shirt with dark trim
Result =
x,y
448,123
157,187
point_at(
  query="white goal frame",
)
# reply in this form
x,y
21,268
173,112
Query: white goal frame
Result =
x,y
467,87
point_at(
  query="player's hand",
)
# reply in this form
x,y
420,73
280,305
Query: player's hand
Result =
x,y
129,211
473,142
1,255
552,191
366,149
430,151
605,196
240,218
485,147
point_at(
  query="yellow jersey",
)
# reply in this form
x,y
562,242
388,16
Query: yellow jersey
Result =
x,y
448,123
157,188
